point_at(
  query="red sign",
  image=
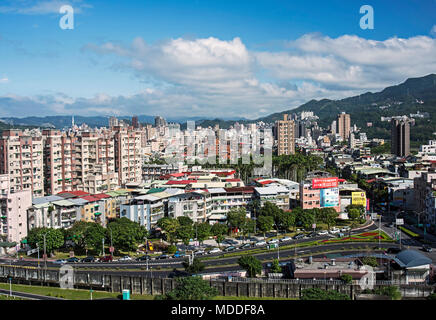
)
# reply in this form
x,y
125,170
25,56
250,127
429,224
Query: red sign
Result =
x,y
321,183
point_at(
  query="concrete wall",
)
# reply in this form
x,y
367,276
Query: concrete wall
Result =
x,y
157,286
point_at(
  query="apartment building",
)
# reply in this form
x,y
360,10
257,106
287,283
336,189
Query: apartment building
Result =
x,y
285,132
320,192
95,161
13,207
128,156
344,124
59,162
21,157
400,137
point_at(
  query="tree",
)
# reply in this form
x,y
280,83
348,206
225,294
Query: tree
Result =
x,y
287,220
185,221
94,234
249,226
236,217
185,233
328,216
203,231
391,291
191,288
370,261
265,223
347,278
251,264
320,294
77,233
305,218
169,226
54,238
126,234
219,230
196,266
276,268
272,210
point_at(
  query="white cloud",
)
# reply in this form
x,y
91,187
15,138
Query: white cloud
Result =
x,y
4,80
212,77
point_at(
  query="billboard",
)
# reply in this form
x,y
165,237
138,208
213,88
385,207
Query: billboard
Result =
x,y
329,197
358,198
321,183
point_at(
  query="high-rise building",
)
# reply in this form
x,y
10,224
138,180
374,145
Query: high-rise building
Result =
x,y
59,162
128,157
400,137
333,127
135,122
343,124
285,130
13,211
113,122
21,157
159,122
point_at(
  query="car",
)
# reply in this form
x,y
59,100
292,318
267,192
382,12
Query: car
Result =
x,y
273,241
179,254
427,248
323,233
163,256
125,258
215,250
345,229
230,248
284,239
73,260
88,259
312,234
143,258
60,261
299,236
334,230
199,253
245,246
106,259
260,243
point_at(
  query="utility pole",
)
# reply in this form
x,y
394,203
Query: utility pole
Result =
x,y
146,252
45,253
37,247
112,248
102,240
379,230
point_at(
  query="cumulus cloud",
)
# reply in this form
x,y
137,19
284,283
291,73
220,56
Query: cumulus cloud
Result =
x,y
212,77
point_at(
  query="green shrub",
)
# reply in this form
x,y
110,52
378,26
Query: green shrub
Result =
x,y
172,249
347,278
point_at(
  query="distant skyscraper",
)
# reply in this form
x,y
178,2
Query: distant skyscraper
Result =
x,y
159,122
285,136
113,122
333,127
400,137
343,124
135,122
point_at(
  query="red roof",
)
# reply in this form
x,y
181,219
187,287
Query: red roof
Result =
x,y
224,173
77,193
266,181
233,180
180,182
240,189
342,180
101,196
178,174
90,198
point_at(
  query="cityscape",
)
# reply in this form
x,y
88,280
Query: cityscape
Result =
x,y
249,188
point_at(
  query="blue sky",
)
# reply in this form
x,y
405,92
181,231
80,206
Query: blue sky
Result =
x,y
247,58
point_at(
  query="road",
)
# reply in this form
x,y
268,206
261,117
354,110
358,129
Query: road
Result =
x,y
30,296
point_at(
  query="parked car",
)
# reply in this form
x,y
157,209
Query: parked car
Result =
x,y
73,260
230,248
299,236
179,254
273,241
245,246
199,253
345,229
215,250
284,239
143,258
60,261
163,256
106,259
334,230
125,258
260,243
427,248
88,259
323,233
312,234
